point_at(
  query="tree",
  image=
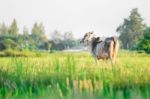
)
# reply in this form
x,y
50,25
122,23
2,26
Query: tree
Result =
x,y
56,37
38,34
144,44
38,30
68,36
131,30
68,40
25,32
25,39
13,30
8,44
56,40
3,29
46,46
60,42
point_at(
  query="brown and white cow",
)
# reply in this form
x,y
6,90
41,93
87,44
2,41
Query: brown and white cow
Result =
x,y
101,49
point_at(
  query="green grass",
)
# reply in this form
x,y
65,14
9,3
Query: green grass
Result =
x,y
75,76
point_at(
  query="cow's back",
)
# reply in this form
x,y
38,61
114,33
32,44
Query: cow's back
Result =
x,y
106,48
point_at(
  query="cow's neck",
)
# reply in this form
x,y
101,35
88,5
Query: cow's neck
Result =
x,y
89,45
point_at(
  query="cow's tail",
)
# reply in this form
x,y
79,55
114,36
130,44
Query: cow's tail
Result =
x,y
115,48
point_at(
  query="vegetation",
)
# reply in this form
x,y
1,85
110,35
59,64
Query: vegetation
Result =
x,y
144,44
131,31
36,40
29,70
75,76
65,41
131,34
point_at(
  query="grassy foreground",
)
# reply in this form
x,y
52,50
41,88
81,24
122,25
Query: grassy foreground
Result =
x,y
75,76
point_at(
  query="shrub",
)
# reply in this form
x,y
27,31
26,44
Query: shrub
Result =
x,y
145,42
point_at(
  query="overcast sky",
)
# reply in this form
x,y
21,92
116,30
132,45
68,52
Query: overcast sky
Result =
x,y
78,16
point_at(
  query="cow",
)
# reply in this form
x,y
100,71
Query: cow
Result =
x,y
101,49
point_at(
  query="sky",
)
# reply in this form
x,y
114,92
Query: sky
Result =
x,y
76,16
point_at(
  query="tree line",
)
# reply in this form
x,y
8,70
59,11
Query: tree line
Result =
x,y
10,38
134,34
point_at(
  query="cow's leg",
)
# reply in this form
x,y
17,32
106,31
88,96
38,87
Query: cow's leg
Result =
x,y
96,60
110,57
116,47
110,53
114,58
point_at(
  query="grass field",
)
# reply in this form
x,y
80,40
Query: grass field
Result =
x,y
75,76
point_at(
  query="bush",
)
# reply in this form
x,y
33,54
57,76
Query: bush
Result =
x,y
8,44
145,42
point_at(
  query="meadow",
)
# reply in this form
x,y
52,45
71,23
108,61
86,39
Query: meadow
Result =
x,y
65,75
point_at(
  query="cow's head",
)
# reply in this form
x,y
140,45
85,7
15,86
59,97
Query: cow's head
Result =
x,y
87,37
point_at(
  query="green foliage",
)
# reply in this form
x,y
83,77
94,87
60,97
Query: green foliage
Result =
x,y
3,29
13,30
144,44
75,76
9,44
37,40
10,39
46,45
68,40
131,31
38,32
63,41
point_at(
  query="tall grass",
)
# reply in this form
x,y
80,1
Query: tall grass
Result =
x,y
75,76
